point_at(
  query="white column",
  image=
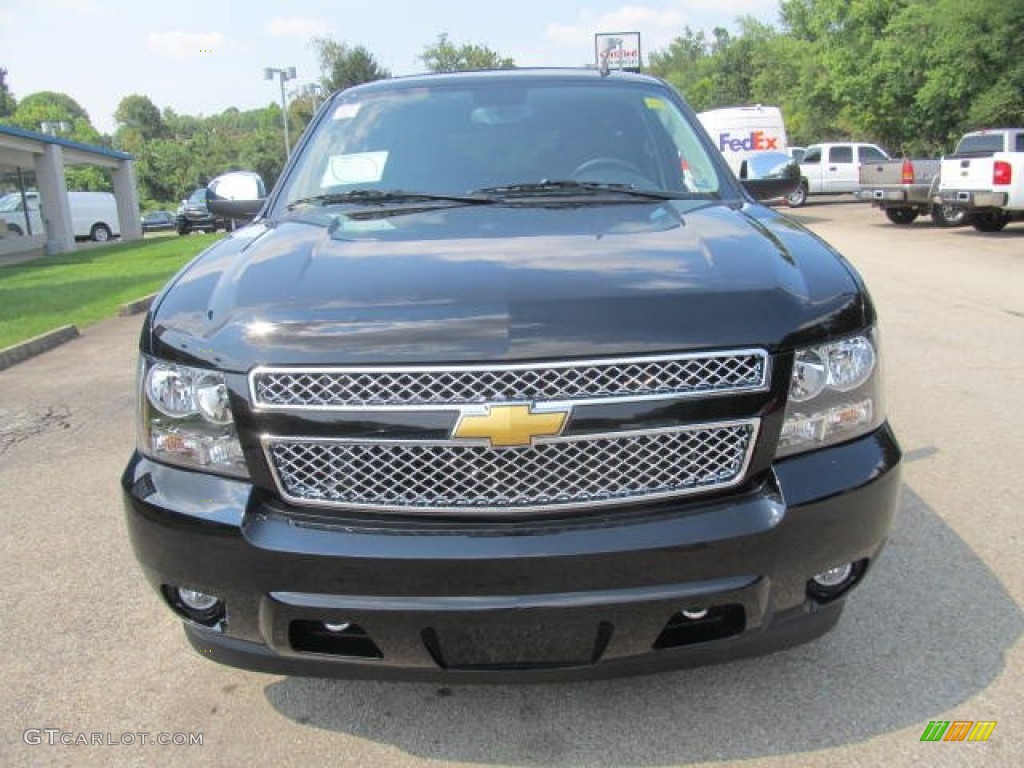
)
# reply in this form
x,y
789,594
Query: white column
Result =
x,y
53,194
127,200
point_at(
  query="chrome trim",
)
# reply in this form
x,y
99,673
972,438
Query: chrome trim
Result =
x,y
754,424
759,386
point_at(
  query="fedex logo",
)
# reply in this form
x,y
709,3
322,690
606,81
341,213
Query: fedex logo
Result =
x,y
755,141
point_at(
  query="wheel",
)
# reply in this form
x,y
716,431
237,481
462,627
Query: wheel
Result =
x,y
798,196
949,215
611,170
900,215
182,229
100,233
990,221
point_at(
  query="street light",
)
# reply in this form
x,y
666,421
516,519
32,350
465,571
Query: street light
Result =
x,y
53,126
287,73
313,92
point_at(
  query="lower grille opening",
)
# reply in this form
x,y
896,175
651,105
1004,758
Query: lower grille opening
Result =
x,y
522,646
701,626
334,639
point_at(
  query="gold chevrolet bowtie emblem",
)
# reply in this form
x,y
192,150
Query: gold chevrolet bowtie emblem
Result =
x,y
508,425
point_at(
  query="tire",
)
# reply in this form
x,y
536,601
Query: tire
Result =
x,y
990,221
15,230
100,233
798,196
901,215
949,215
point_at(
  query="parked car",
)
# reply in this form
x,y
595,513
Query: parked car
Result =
x,y
833,169
156,221
193,215
494,388
985,175
905,189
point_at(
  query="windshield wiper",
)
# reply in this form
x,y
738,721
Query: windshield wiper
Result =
x,y
568,188
386,196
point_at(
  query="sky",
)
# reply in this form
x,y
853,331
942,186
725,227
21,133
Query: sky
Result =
x,y
201,57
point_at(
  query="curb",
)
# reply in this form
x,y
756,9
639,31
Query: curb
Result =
x,y
135,307
36,346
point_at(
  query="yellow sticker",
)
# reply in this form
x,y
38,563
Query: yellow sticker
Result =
x,y
653,103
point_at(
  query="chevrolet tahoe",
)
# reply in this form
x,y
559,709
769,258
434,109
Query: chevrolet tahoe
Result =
x,y
509,379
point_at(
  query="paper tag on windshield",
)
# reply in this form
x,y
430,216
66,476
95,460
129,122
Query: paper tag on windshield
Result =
x,y
357,168
345,111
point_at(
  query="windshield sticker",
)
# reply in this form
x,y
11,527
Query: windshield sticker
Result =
x,y
358,168
366,225
653,103
345,111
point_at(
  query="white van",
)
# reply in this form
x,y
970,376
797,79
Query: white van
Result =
x,y
93,215
740,132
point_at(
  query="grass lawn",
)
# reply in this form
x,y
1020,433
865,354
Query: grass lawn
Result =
x,y
89,285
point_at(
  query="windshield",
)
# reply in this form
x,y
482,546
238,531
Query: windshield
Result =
x,y
487,136
12,202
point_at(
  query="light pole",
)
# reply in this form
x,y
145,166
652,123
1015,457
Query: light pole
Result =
x,y
313,92
285,73
53,126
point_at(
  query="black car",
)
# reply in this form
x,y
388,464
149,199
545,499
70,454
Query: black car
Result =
x,y
510,379
193,215
157,221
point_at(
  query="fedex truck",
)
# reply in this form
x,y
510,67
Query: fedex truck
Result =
x,y
740,132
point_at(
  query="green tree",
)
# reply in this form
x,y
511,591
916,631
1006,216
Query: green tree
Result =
x,y
342,66
51,106
139,121
7,101
445,56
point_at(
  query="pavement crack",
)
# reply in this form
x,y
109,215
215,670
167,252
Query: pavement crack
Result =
x,y
18,426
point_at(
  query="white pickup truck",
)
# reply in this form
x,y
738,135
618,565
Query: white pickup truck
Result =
x,y
985,175
833,169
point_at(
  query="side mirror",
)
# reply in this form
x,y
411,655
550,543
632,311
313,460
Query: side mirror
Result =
x,y
236,195
770,175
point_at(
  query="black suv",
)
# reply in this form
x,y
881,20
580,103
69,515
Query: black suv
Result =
x,y
509,379
193,214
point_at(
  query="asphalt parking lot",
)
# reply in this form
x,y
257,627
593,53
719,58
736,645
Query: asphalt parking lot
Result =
x,y
933,634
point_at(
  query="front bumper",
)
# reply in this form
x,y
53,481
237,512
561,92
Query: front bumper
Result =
x,y
545,599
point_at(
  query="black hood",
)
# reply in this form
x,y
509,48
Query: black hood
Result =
x,y
501,283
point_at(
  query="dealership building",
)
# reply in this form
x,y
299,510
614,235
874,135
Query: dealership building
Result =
x,y
34,207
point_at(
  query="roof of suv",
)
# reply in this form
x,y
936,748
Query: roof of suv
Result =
x,y
508,75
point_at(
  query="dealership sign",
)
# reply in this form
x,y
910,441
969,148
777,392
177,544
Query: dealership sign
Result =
x,y
617,50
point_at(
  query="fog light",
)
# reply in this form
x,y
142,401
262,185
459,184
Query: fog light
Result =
x,y
833,577
197,601
196,606
337,627
695,615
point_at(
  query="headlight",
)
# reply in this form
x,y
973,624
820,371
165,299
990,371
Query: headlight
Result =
x,y
835,394
185,418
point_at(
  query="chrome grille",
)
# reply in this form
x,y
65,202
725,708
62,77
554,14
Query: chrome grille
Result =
x,y
553,473
433,386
